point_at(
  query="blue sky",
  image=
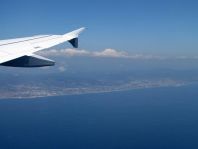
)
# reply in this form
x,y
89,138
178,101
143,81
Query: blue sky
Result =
x,y
158,27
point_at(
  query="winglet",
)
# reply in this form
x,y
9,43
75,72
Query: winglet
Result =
x,y
74,42
73,36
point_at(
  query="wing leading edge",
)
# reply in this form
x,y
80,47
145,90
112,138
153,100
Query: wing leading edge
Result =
x,y
20,52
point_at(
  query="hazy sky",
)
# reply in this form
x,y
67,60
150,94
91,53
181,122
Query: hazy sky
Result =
x,y
139,26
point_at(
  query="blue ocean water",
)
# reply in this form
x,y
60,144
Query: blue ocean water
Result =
x,y
161,118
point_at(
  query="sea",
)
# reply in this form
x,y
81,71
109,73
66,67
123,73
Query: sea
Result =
x,y
158,118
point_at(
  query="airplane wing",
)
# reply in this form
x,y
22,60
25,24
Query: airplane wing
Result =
x,y
20,52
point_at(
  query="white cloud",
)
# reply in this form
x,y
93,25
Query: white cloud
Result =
x,y
108,53
144,56
74,52
61,68
64,52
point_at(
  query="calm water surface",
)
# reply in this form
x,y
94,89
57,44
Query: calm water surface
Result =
x,y
164,118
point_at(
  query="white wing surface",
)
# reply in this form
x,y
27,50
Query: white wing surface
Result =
x,y
20,52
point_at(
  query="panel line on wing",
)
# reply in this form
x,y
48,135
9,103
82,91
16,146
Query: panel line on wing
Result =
x,y
25,40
